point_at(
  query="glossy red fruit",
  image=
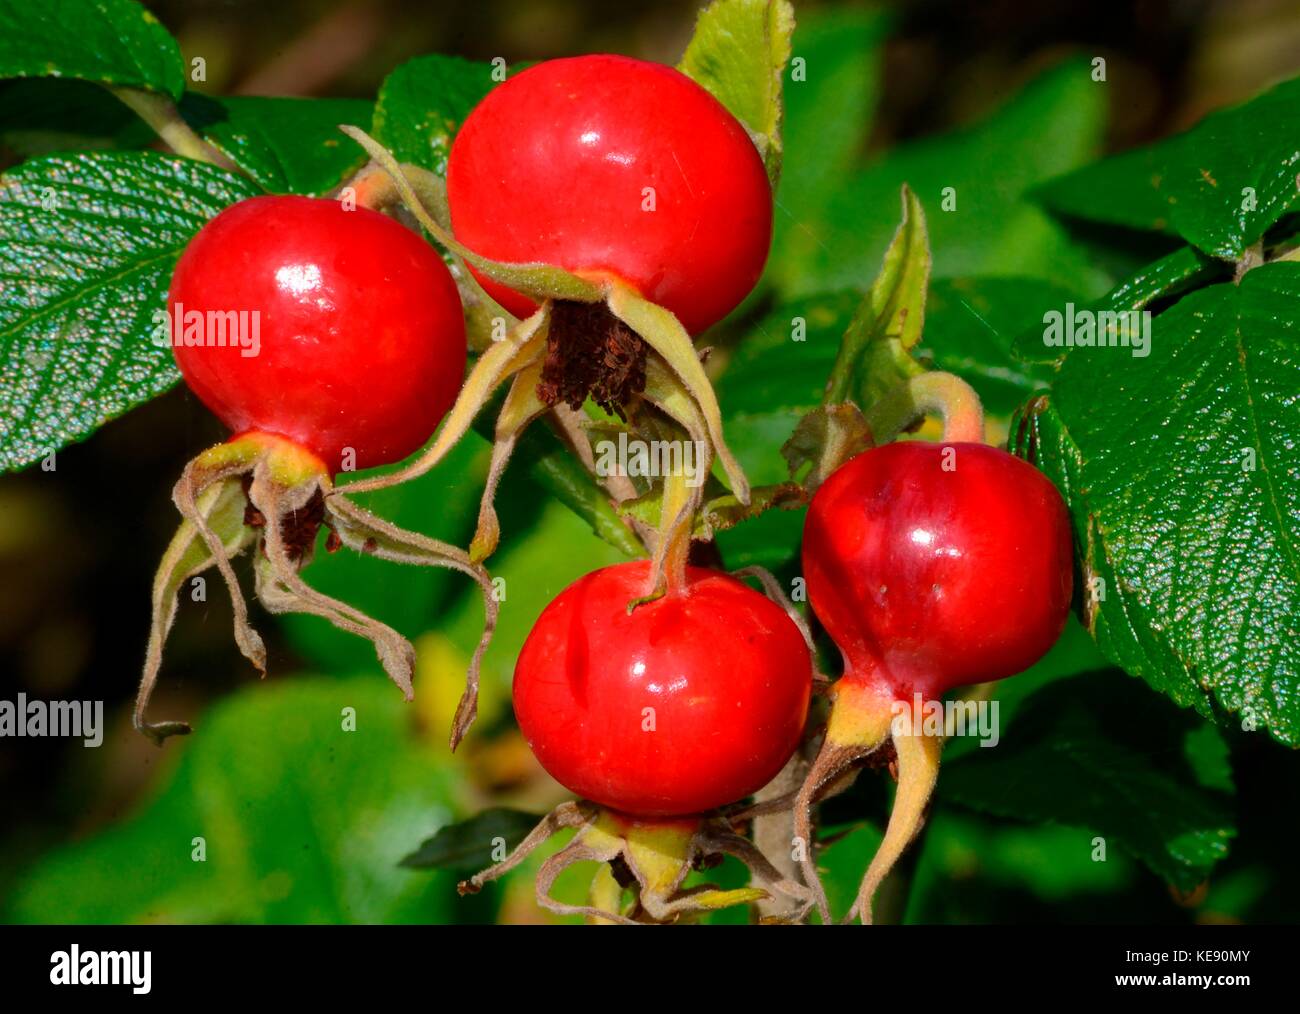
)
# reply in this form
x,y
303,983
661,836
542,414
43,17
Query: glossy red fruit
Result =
x,y
361,339
693,701
929,578
559,163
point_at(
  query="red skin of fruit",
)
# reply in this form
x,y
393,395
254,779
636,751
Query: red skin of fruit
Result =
x,y
362,333
929,579
551,167
724,668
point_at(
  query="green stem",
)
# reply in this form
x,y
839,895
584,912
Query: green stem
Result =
x,y
160,112
942,393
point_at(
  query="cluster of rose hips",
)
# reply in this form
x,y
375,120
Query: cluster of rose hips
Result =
x,y
608,210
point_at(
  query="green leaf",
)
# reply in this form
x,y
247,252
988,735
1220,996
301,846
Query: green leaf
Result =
x,y
468,846
975,869
1182,473
87,246
423,103
113,42
1099,753
302,821
1053,125
1220,185
876,353
831,90
739,52
289,146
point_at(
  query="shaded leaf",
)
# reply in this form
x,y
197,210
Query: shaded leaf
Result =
x,y
1100,753
468,846
302,821
1053,125
830,89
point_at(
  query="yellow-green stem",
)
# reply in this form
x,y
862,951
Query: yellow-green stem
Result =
x,y
161,114
942,393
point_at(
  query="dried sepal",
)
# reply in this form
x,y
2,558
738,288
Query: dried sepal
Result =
x,y
264,491
864,718
219,508
365,532
282,589
521,407
824,439
540,281
664,333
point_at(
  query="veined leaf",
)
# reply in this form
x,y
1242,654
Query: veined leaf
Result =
x,y
87,246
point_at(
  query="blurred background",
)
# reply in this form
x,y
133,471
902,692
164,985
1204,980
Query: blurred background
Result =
x,y
302,823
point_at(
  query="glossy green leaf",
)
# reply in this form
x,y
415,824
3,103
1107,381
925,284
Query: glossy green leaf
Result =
x,y
1182,472
423,103
300,820
1053,125
1100,753
87,245
114,42
289,146
739,53
1220,185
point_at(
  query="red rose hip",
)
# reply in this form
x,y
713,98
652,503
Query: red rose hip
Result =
x,y
610,166
360,339
933,566
692,701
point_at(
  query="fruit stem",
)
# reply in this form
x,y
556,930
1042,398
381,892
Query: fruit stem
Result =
x,y
943,393
161,114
